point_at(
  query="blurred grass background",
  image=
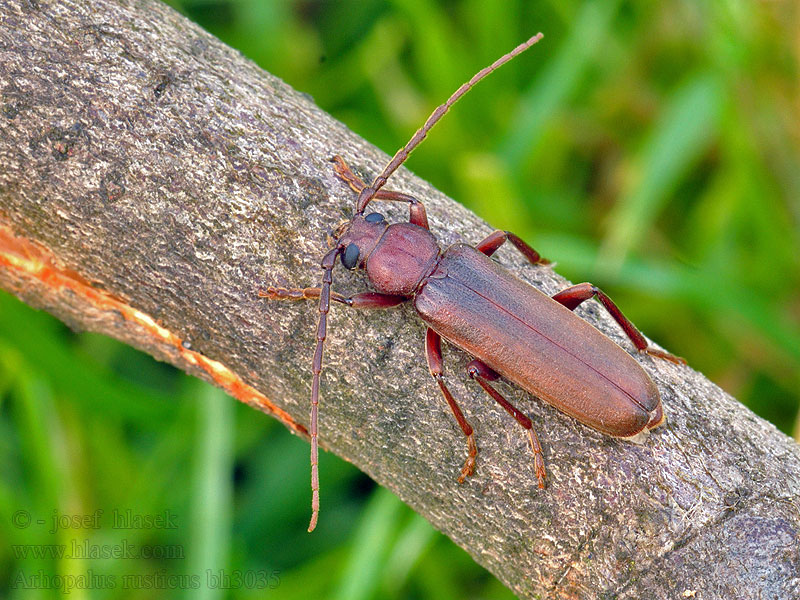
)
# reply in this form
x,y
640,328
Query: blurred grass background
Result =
x,y
651,148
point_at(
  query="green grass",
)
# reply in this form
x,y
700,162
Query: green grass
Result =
x,y
649,148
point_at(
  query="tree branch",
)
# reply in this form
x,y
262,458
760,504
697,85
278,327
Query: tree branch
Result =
x,y
152,180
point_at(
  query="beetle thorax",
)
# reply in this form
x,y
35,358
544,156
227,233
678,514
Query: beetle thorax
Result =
x,y
402,258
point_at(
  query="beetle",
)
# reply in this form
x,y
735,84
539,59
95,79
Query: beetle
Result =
x,y
512,329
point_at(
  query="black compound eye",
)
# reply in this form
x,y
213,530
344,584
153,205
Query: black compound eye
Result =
x,y
350,256
374,218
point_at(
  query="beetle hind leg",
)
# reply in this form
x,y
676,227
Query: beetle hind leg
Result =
x,y
575,295
433,352
483,375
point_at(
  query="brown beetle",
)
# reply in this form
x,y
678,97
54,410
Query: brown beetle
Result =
x,y
512,329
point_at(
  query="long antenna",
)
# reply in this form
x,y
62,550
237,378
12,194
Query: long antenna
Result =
x,y
368,193
316,368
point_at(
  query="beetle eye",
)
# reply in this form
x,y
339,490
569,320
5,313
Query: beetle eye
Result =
x,y
350,256
374,218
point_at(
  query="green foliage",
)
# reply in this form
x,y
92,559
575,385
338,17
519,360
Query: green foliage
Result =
x,y
649,148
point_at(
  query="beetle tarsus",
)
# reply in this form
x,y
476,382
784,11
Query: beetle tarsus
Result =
x,y
469,465
345,173
678,360
538,458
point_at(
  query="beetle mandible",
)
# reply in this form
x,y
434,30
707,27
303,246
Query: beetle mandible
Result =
x,y
512,329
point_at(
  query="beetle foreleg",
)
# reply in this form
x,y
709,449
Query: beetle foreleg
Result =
x,y
575,295
417,214
483,375
500,237
433,352
361,300
345,173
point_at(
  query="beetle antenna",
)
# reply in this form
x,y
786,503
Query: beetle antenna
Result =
x,y
368,193
316,368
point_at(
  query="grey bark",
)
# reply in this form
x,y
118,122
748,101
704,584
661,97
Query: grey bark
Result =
x,y
171,172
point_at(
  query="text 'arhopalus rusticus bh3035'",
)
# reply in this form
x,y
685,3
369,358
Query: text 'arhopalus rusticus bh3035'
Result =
x,y
512,329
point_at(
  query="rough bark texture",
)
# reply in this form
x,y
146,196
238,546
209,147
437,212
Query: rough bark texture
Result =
x,y
152,179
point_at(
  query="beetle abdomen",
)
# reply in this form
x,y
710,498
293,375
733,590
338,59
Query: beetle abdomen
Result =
x,y
535,342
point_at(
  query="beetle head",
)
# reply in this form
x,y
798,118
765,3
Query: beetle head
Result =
x,y
358,237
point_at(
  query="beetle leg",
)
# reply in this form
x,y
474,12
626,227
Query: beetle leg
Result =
x,y
573,296
500,237
362,300
345,173
483,375
417,214
433,352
